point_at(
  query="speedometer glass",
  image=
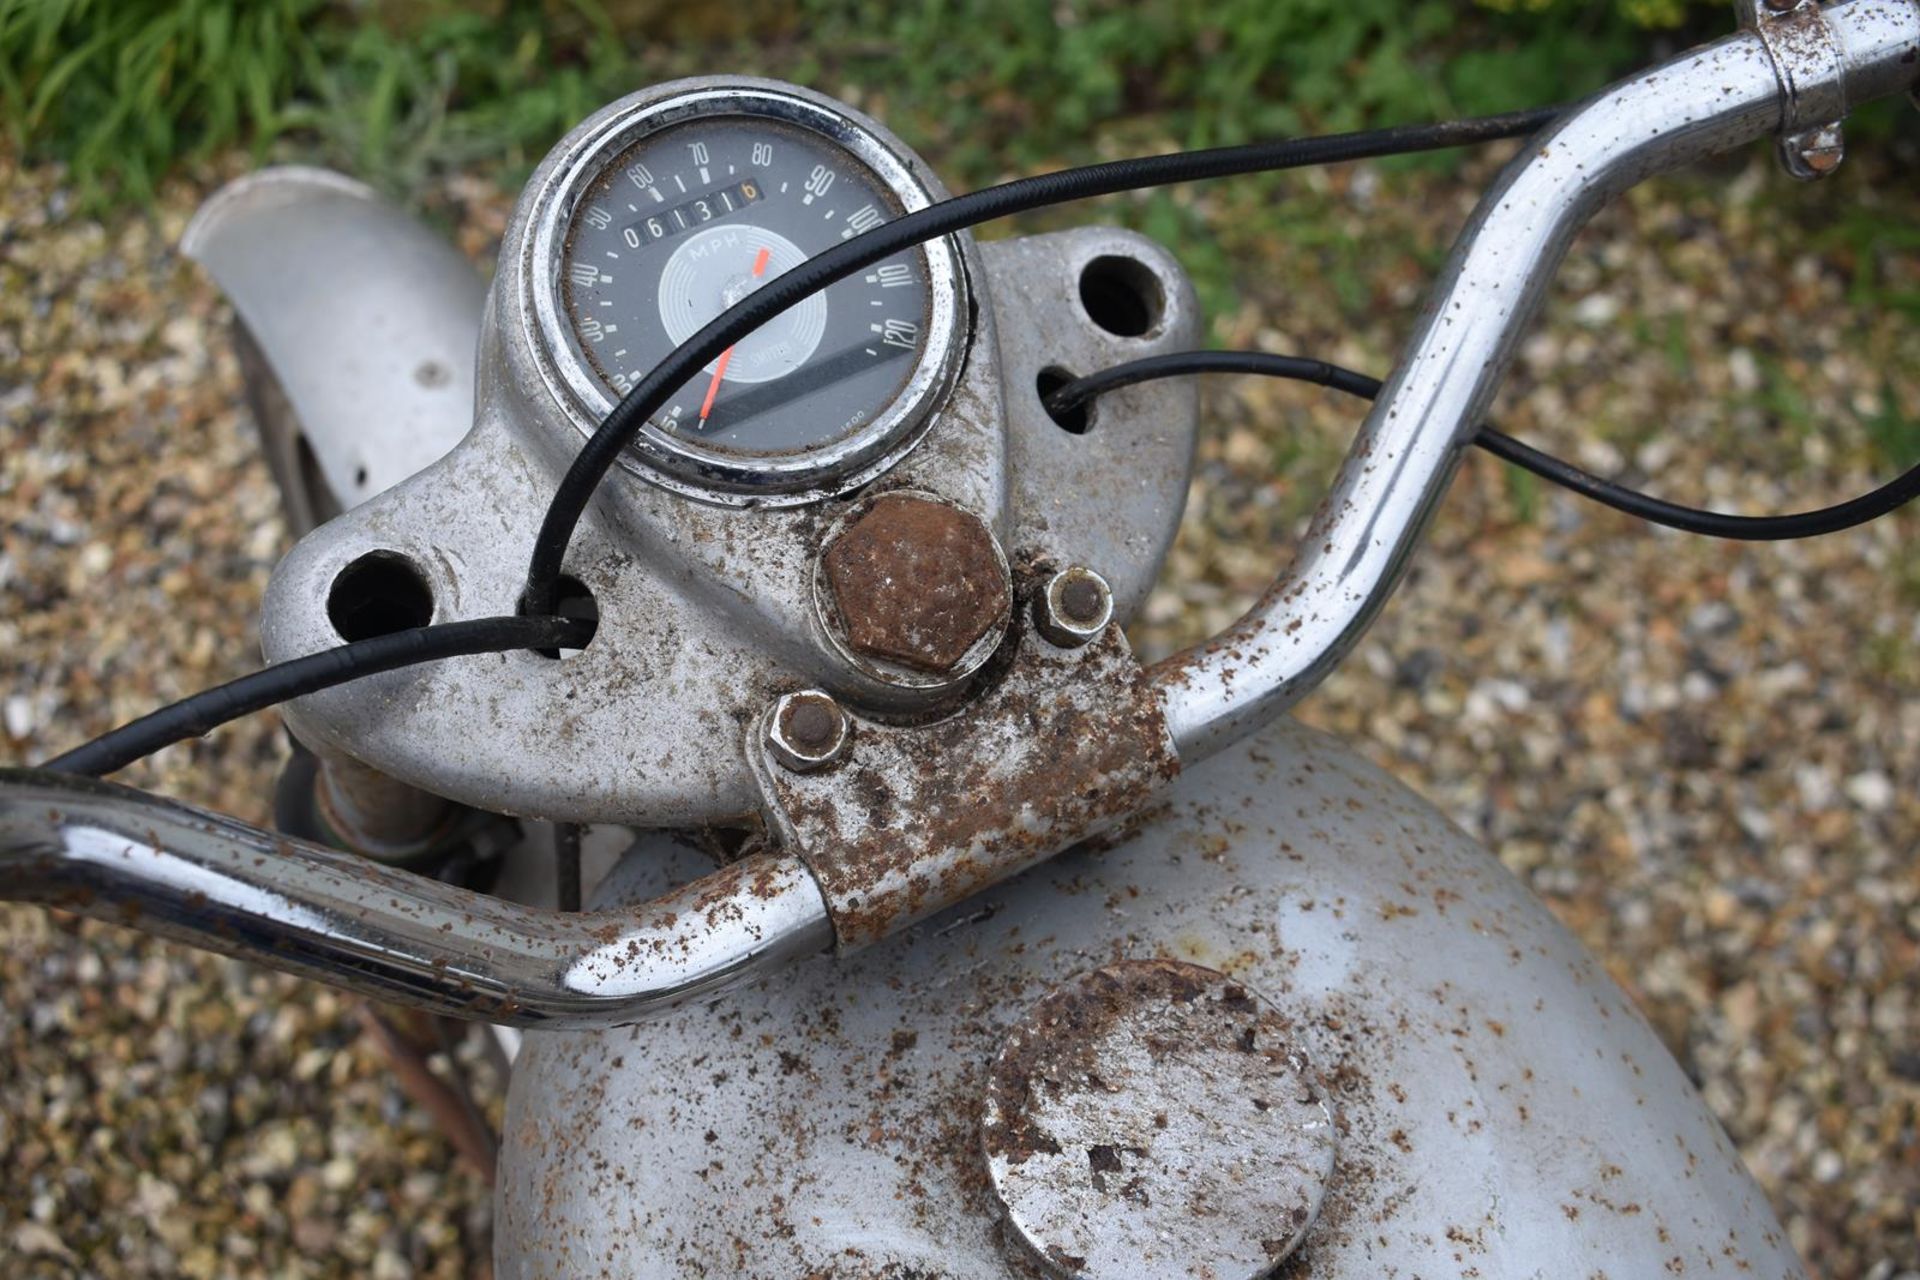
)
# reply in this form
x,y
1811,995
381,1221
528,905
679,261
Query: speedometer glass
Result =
x,y
697,205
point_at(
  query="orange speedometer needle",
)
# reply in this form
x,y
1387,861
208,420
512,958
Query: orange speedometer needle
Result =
x,y
720,368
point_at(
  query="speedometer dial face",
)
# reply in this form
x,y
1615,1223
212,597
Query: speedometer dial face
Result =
x,y
693,215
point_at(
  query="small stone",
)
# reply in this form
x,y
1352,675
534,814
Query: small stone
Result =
x,y
1596,309
276,1150
1722,908
18,714
1744,369
1871,791
338,1174
34,1240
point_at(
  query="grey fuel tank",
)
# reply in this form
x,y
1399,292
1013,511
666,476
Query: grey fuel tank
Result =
x,y
1498,1106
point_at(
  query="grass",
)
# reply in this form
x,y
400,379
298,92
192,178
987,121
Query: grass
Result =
x,y
403,93
120,90
1523,493
1871,235
406,92
1893,660
123,89
1893,435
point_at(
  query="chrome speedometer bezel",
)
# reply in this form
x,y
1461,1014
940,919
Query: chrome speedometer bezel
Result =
x,y
674,462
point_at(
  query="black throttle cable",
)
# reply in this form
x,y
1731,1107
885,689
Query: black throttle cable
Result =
x,y
202,712
625,421
1713,524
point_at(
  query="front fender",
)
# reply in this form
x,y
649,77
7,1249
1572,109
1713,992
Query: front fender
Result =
x,y
358,327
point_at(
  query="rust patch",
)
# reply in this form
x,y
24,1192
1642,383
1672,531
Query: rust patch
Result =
x,y
1068,1024
810,723
1156,1117
916,819
916,582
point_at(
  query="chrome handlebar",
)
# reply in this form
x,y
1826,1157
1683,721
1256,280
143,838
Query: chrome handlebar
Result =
x,y
119,854
1720,96
123,855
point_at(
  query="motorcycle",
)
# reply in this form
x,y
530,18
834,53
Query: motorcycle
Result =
x,y
938,935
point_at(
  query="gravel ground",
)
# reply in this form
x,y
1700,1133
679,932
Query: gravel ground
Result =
x,y
1702,755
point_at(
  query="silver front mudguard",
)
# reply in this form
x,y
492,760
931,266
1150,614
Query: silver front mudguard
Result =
x,y
357,332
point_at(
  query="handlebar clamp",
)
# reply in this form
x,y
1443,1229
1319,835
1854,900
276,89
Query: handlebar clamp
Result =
x,y
1812,66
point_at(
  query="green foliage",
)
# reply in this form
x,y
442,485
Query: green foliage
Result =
x,y
1870,234
456,89
1015,82
1523,493
1638,13
1894,435
121,89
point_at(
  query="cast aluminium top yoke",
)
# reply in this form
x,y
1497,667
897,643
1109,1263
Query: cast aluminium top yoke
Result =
x,y
892,598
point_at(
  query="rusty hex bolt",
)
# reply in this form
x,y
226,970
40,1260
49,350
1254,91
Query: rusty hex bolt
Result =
x,y
1822,150
808,730
916,582
1074,607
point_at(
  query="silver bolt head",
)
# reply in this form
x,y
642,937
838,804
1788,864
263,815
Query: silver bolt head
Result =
x,y
1814,153
808,730
1074,607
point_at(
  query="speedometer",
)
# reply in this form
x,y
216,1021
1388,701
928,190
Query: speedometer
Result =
x,y
674,208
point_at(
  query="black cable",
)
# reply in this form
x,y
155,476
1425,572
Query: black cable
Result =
x,y
627,418
207,710
1869,506
1069,396
1713,524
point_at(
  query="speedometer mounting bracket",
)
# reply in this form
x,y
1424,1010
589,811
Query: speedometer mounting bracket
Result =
x,y
914,818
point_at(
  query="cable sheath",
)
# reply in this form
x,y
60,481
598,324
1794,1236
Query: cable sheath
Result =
x,y
297,677
1713,524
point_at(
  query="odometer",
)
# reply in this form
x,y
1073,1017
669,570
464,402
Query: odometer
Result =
x,y
694,203
688,215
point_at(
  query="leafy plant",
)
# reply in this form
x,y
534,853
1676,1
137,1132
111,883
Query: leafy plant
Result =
x,y
121,89
1640,13
124,87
